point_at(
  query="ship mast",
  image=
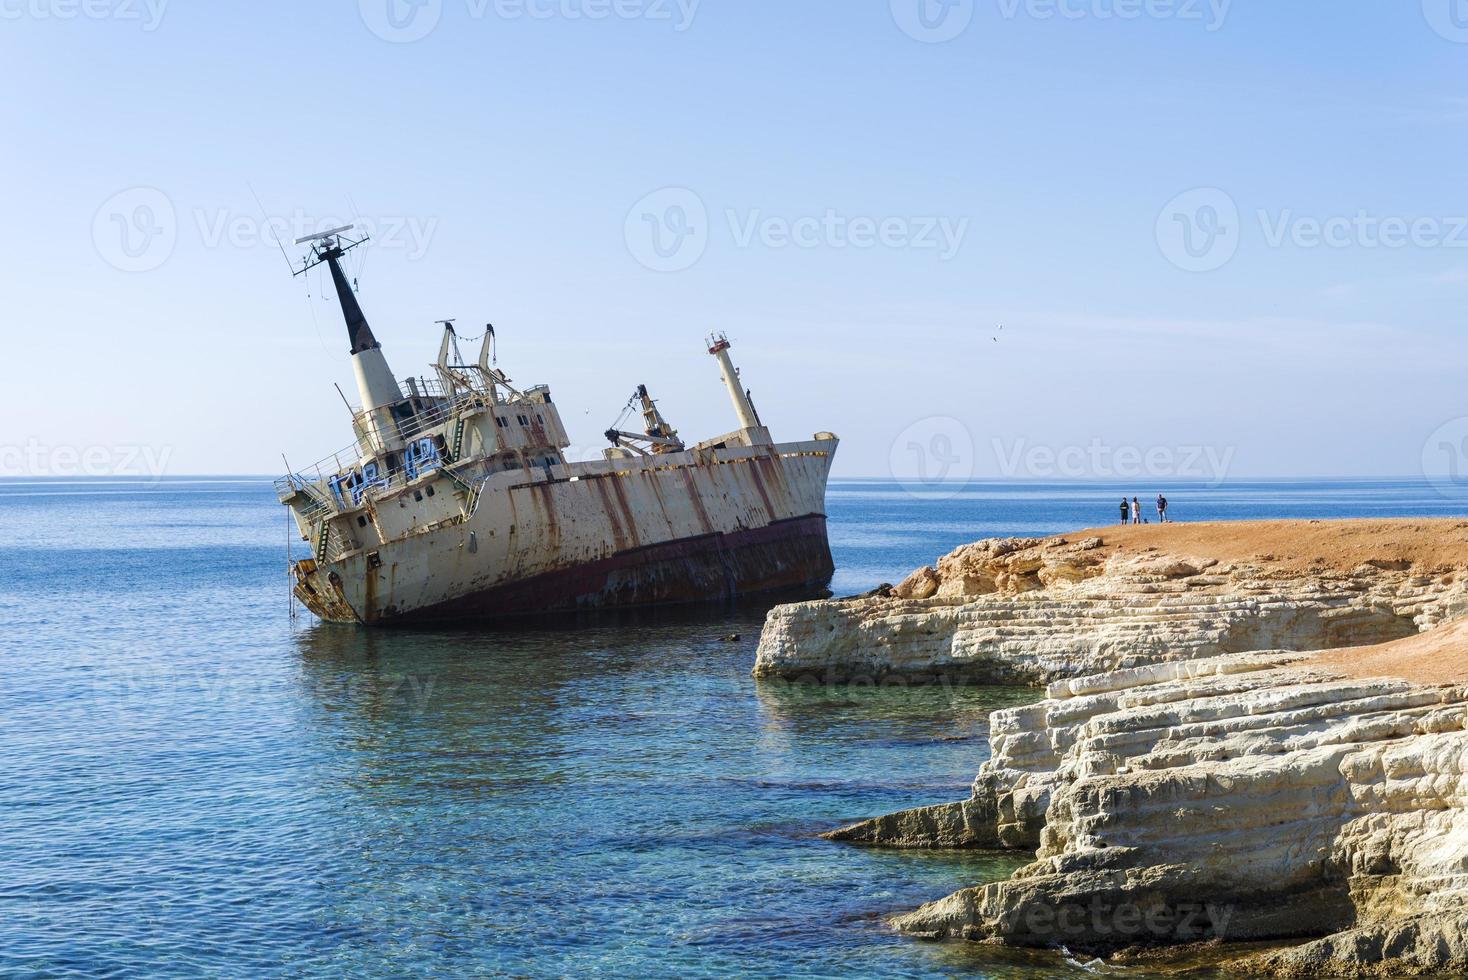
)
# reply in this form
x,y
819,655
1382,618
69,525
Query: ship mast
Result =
x,y
743,407
375,381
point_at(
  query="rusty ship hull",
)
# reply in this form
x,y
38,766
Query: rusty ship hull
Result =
x,y
644,531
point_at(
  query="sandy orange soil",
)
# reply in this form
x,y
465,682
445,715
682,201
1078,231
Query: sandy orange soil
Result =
x,y
1437,547
1438,656
1428,545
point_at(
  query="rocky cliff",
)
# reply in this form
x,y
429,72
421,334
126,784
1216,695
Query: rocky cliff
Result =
x,y
1034,610
1256,796
1211,760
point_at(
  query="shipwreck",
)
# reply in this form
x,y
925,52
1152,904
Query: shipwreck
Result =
x,y
455,500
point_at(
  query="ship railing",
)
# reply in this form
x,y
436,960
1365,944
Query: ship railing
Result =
x,y
318,502
317,480
419,388
347,490
444,409
431,418
350,457
423,388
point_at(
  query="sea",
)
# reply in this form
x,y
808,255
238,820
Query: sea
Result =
x,y
195,783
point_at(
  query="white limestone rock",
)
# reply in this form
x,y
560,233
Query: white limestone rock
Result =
x,y
1034,610
1235,798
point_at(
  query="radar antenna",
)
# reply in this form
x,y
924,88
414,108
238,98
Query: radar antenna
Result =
x,y
323,235
327,247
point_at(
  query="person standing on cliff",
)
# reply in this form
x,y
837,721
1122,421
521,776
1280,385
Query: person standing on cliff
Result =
x,y
1161,509
1136,511
1126,509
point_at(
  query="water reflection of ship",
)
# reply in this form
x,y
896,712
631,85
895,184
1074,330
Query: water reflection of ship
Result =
x,y
428,711
453,683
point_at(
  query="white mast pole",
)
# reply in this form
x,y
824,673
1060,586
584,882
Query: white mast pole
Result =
x,y
719,347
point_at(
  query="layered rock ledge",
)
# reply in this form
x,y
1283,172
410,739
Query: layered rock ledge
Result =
x,y
1264,796
1213,760
1035,610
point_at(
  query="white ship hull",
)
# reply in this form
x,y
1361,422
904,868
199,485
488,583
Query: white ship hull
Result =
x,y
649,530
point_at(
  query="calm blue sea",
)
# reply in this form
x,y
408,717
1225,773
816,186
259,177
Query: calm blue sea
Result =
x,y
193,785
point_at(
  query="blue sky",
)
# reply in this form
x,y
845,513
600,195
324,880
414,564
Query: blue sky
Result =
x,y
1231,231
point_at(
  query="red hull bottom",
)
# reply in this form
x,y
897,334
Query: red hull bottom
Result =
x,y
788,554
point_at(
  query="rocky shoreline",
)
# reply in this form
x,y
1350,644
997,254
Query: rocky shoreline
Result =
x,y
1234,744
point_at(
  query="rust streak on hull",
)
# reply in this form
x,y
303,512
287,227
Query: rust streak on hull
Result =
x,y
788,554
629,520
697,501
759,484
685,528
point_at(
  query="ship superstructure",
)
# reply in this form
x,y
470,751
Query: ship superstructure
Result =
x,y
455,500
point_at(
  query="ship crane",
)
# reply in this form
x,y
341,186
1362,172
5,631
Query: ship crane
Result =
x,y
461,377
659,437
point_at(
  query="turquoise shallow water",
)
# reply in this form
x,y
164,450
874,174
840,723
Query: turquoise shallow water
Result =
x,y
191,785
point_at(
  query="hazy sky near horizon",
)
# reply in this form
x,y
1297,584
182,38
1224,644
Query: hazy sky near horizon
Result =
x,y
1222,239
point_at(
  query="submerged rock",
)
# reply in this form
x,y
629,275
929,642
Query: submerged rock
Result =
x,y
965,824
